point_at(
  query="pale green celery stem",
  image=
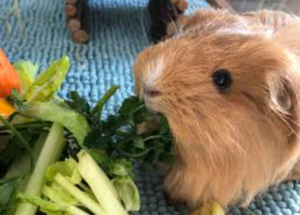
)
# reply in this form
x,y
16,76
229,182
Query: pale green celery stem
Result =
x,y
51,151
89,203
21,164
100,184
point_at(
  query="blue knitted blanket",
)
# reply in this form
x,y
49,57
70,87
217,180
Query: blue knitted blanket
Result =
x,y
118,33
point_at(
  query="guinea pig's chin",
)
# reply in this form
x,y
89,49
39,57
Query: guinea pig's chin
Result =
x,y
151,108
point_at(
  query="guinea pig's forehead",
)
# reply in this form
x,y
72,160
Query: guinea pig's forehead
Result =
x,y
154,69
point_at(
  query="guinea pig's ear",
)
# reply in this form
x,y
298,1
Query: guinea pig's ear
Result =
x,y
282,94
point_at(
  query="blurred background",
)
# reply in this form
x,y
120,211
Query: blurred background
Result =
x,y
292,6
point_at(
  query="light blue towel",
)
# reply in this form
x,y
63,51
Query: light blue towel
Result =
x,y
118,29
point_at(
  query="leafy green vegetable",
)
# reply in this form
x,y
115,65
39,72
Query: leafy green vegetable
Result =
x,y
115,143
42,203
60,113
27,73
50,207
102,180
8,189
118,135
97,110
20,137
17,175
51,151
128,192
67,168
48,82
100,184
79,105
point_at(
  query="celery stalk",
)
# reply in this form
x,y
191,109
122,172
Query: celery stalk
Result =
x,y
52,207
51,151
100,184
78,194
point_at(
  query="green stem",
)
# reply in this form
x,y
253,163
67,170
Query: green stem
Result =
x,y
50,152
26,125
155,137
138,108
130,155
19,136
97,110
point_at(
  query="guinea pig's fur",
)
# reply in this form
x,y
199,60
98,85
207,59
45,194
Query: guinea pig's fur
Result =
x,y
230,144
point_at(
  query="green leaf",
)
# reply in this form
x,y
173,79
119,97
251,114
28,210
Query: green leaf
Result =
x,y
67,168
51,208
138,142
61,114
48,82
21,139
130,105
79,104
27,73
8,189
97,110
121,167
128,193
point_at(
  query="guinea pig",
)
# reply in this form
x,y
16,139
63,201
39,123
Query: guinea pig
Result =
x,y
229,86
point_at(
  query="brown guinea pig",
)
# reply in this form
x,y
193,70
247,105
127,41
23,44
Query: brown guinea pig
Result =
x,y
229,86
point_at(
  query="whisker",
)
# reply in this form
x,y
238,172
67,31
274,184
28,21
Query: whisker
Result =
x,y
144,30
283,6
174,24
287,124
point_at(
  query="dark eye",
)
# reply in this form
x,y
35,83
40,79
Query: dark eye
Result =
x,y
222,79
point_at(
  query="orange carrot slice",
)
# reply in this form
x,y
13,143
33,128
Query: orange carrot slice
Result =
x,y
9,78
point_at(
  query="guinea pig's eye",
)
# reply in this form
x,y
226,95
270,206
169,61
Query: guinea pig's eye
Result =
x,y
222,79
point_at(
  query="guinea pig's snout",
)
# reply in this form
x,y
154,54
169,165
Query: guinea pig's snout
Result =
x,y
151,92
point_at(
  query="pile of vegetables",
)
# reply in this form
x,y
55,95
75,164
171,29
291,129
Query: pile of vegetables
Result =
x,y
63,157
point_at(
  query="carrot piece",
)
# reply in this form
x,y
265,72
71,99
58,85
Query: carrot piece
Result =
x,y
6,109
9,77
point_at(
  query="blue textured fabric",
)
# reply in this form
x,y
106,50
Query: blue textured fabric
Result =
x,y
118,29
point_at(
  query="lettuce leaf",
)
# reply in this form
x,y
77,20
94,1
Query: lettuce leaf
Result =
x,y
67,168
61,114
27,73
42,203
128,193
48,82
51,208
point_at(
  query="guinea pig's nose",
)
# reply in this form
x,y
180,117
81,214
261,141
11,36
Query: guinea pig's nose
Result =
x,y
151,92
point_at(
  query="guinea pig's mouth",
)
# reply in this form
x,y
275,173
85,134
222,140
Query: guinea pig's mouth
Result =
x,y
149,106
147,95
